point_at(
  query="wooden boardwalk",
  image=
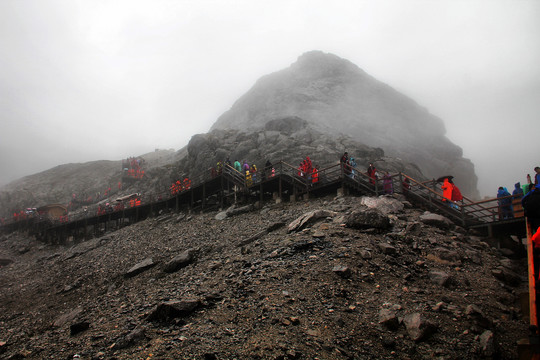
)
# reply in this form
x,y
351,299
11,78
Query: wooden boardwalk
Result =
x,y
285,183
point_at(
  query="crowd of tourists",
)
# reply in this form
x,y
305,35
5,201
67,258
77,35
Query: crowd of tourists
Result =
x,y
180,185
511,205
132,167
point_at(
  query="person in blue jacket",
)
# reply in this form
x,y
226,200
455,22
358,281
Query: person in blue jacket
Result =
x,y
505,204
518,191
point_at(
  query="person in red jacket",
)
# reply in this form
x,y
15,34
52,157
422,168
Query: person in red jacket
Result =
x,y
372,173
536,238
315,174
451,192
447,188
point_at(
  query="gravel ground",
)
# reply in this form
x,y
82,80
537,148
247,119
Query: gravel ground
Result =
x,y
250,289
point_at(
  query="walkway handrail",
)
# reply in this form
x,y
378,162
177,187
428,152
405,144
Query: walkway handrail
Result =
x,y
429,190
533,315
478,211
236,176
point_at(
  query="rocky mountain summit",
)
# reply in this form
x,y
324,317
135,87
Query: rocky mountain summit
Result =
x,y
336,97
329,278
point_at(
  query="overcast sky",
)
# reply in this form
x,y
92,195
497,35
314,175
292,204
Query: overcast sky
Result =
x,y
91,80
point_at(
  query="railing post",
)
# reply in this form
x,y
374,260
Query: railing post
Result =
x,y
222,194
203,197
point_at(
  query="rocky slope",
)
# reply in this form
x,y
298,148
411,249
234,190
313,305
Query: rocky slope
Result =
x,y
337,97
332,278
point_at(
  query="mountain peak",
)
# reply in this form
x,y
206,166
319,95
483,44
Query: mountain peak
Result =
x,y
336,97
320,63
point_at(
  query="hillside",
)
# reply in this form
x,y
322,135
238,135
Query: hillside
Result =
x,y
57,185
386,282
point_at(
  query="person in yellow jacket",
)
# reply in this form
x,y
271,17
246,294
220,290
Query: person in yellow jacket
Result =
x,y
249,180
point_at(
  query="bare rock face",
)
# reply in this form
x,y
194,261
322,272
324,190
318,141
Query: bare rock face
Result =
x,y
336,97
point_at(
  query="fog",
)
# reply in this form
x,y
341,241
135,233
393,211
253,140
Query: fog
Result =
x,y
91,80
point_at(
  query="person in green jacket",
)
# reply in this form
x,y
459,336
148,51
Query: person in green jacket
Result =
x,y
237,166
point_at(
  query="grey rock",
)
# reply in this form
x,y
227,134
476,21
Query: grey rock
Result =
x,y
179,261
140,267
413,228
487,344
436,220
275,226
309,218
387,249
507,276
439,277
342,270
389,319
173,309
5,262
130,339
68,317
365,254
79,327
370,218
475,314
385,204
447,254
180,217
253,238
418,327
232,211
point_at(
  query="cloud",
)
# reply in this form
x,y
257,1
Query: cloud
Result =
x,y
88,80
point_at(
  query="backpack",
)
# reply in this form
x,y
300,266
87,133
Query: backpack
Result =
x,y
456,194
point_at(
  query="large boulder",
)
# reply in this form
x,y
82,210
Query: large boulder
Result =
x,y
385,204
309,218
436,220
418,327
179,261
368,218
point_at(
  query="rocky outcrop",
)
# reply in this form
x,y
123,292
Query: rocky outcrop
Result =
x,y
336,97
289,140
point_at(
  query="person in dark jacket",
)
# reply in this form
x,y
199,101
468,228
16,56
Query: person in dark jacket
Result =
x,y
531,205
505,205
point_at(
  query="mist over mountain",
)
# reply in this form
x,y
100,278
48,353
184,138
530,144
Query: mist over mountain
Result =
x,y
337,97
320,106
